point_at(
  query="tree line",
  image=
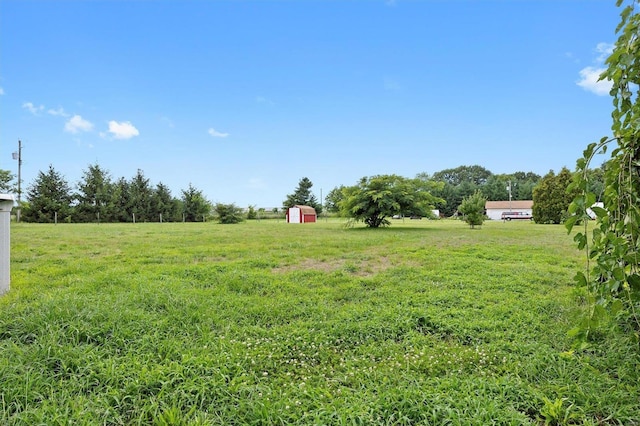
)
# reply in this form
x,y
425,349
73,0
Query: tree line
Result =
x,y
100,198
450,187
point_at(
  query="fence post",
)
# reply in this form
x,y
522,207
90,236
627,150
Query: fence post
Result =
x,y
6,203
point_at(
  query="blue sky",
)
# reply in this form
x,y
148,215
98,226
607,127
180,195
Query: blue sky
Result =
x,y
244,98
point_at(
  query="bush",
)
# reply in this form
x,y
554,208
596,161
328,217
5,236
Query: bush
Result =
x,y
472,208
229,213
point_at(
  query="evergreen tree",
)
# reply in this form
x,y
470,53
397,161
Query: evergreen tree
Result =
x,y
94,195
495,189
5,181
163,203
228,213
302,196
49,194
141,193
447,195
195,205
251,213
120,205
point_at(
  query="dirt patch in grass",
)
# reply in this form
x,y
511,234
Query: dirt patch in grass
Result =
x,y
360,267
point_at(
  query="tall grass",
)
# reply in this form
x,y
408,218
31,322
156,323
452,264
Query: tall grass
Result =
x,y
425,322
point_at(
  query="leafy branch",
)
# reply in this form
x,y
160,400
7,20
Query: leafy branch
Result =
x,y
612,274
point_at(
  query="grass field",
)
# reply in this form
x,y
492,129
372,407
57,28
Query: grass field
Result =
x,y
424,322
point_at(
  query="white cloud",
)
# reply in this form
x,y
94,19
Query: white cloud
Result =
x,y
604,50
213,132
123,130
1,91
589,81
77,124
590,76
33,109
60,112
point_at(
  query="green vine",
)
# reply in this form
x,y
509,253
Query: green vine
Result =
x,y
612,275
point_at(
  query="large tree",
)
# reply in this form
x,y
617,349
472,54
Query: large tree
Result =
x,y
195,204
496,188
302,196
141,193
333,198
462,181
376,198
477,175
120,205
163,203
95,191
551,199
47,196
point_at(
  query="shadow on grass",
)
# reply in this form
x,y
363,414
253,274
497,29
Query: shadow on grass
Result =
x,y
361,228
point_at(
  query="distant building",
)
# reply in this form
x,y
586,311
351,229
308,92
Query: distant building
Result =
x,y
494,209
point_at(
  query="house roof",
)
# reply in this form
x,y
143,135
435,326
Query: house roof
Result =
x,y
306,209
506,205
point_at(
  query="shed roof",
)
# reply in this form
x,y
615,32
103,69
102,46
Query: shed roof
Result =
x,y
519,204
306,209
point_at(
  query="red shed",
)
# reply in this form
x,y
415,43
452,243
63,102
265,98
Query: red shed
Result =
x,y
301,214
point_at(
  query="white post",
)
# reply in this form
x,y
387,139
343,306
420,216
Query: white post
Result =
x,y
6,203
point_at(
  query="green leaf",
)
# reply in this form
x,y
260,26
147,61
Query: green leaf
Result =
x,y
599,211
618,274
580,279
570,222
616,307
634,282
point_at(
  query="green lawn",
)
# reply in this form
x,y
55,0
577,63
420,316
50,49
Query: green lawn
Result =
x,y
424,322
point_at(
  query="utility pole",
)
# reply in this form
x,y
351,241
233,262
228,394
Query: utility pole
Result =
x,y
509,189
18,156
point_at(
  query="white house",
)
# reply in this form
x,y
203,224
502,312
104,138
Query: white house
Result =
x,y
495,209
